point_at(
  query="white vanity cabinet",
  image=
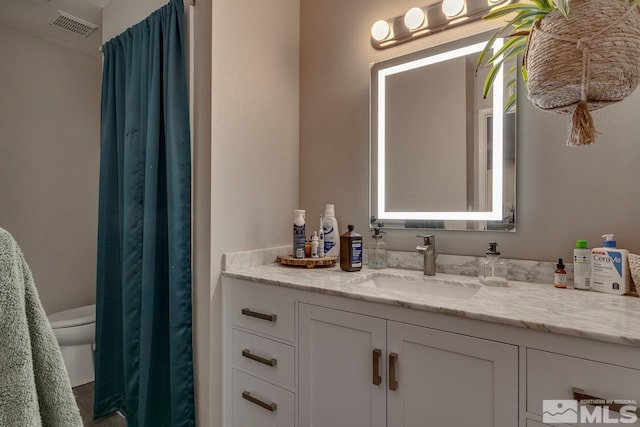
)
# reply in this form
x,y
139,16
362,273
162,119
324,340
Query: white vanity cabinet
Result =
x,y
259,357
445,379
294,357
554,376
421,377
341,364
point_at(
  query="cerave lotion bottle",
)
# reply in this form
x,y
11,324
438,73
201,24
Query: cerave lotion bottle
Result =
x,y
610,268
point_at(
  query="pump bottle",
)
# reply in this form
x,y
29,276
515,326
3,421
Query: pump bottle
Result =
x,y
493,271
610,268
377,249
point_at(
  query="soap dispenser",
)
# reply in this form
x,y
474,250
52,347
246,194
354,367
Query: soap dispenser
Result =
x,y
610,268
493,270
378,249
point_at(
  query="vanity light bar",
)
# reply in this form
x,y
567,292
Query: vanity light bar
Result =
x,y
422,21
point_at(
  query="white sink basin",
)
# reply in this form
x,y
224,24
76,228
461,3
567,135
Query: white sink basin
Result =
x,y
429,285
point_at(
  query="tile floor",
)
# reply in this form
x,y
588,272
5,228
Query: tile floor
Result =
x,y
84,399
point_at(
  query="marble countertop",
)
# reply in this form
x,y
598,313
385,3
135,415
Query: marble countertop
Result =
x,y
533,306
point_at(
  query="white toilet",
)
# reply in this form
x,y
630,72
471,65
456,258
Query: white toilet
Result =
x,y
75,331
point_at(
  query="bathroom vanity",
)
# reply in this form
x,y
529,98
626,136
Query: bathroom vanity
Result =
x,y
325,348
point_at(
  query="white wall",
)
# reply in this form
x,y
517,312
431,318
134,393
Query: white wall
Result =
x,y
564,193
119,15
199,19
49,157
254,138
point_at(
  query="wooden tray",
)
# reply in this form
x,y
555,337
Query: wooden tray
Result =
x,y
328,261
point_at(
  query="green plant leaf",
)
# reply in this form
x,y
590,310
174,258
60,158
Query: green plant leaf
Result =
x,y
508,48
528,16
524,26
511,100
519,27
489,46
563,7
495,66
511,8
488,83
544,4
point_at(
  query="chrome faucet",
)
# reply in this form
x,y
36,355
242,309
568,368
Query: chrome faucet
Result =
x,y
429,251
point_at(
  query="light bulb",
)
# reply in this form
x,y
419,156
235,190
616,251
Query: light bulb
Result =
x,y
452,8
414,18
380,30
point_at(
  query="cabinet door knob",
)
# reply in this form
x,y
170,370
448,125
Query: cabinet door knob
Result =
x,y
579,394
271,407
269,362
393,360
255,314
377,379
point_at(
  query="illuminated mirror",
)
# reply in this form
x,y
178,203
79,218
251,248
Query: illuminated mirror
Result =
x,y
441,155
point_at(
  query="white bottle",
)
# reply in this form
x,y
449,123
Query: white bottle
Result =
x,y
321,241
331,233
314,245
610,268
299,233
582,265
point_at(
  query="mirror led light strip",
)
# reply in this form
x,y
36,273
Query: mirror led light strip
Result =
x,y
418,22
498,118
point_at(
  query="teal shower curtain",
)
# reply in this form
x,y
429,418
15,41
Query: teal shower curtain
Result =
x,y
144,365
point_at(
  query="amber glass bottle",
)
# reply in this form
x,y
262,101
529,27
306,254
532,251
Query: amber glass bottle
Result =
x,y
351,250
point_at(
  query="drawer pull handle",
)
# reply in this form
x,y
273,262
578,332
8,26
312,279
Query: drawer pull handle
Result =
x,y
271,407
393,360
579,394
269,362
250,313
377,379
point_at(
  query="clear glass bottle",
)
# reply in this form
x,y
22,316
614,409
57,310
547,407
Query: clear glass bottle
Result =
x,y
377,249
493,270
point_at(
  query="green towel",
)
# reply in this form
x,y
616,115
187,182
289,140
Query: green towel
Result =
x,y
34,385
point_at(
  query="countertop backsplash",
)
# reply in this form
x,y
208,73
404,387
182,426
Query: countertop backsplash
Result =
x,y
519,270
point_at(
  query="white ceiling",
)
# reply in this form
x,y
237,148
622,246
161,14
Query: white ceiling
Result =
x,y
32,17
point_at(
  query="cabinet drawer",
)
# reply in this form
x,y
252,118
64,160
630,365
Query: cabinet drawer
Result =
x,y
259,310
553,376
257,402
266,358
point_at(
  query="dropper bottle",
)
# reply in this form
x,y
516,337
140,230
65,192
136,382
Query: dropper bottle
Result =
x,y
560,275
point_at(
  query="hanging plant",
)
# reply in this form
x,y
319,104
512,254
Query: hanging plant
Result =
x,y
579,55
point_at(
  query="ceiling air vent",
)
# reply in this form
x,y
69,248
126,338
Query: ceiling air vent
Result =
x,y
74,25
